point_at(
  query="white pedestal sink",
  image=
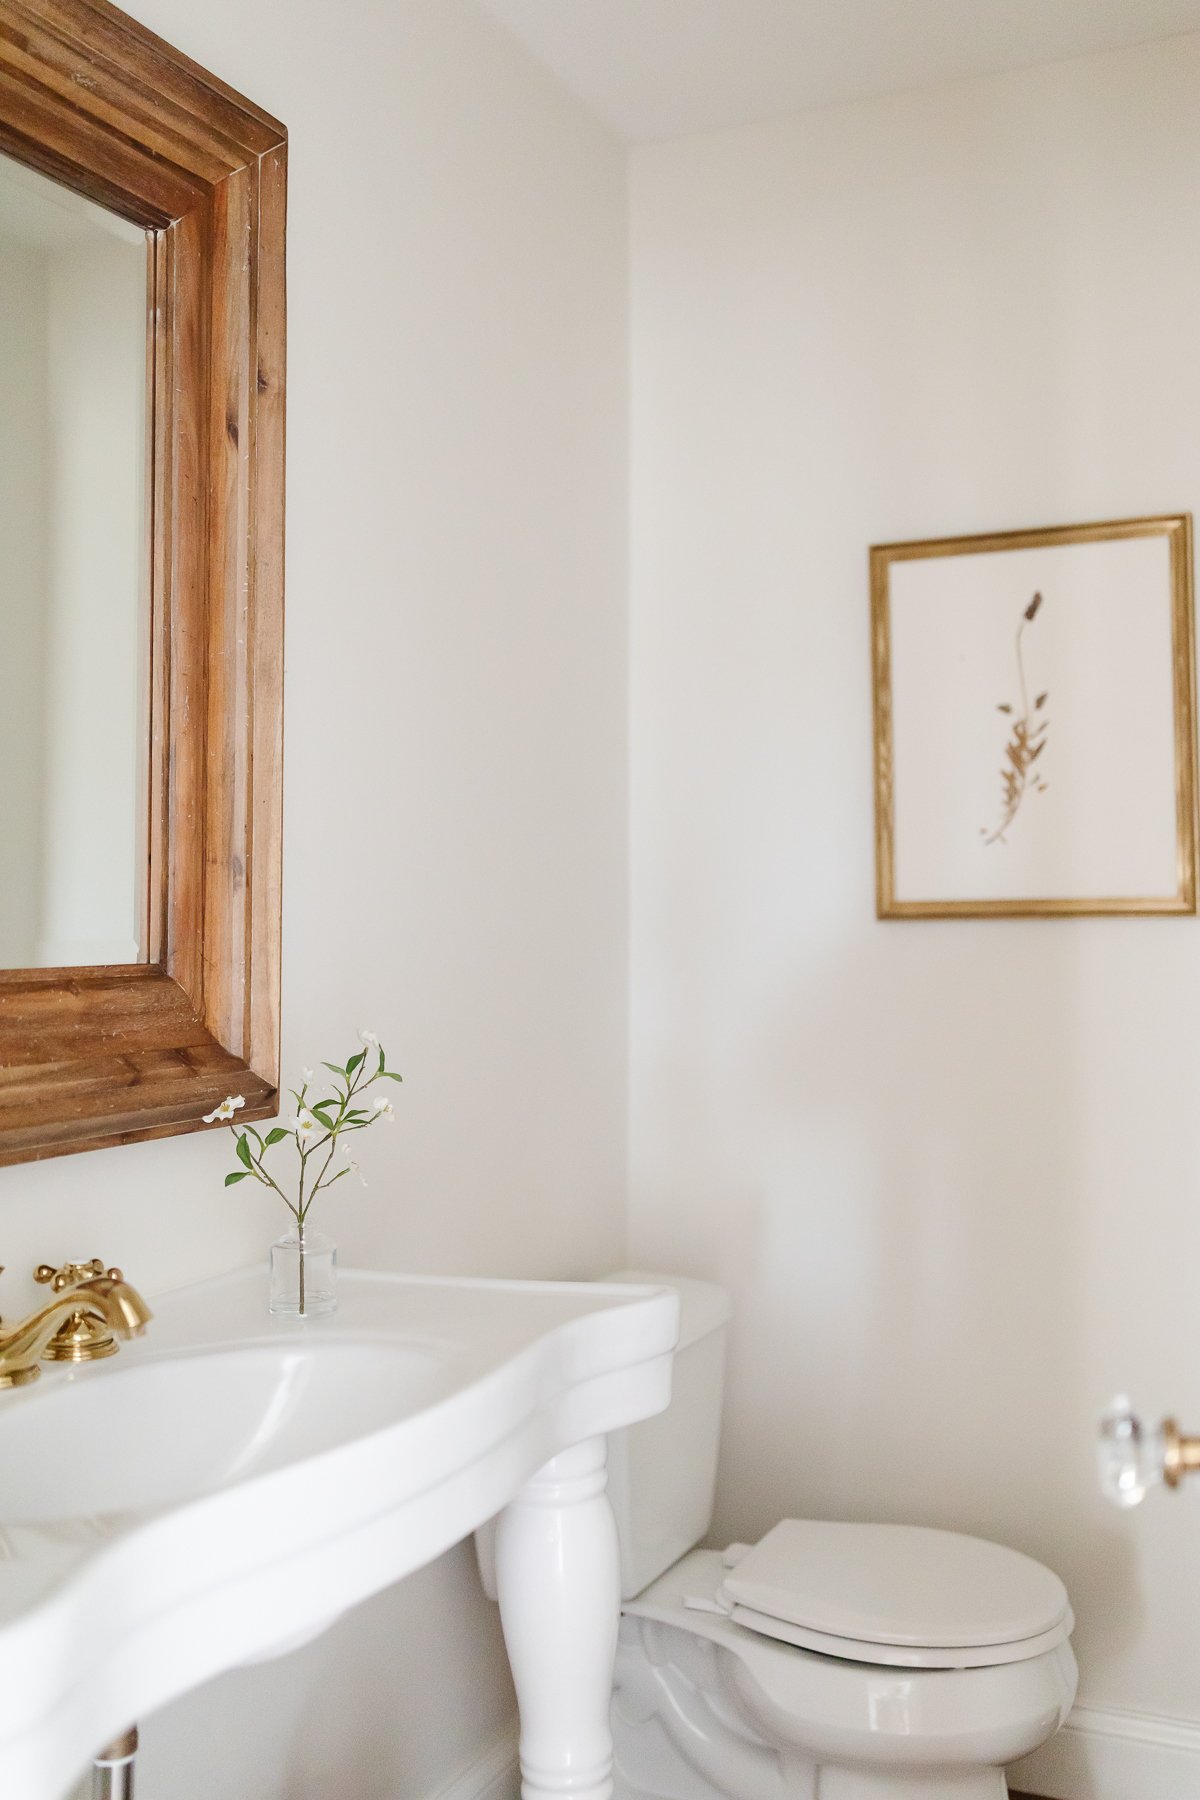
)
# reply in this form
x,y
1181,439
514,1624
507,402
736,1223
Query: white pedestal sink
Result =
x,y
230,1484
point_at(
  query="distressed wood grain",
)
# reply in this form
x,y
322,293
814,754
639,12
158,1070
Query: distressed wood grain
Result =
x,y
90,1057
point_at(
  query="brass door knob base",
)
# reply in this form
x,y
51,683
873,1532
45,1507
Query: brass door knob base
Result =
x,y
1181,1455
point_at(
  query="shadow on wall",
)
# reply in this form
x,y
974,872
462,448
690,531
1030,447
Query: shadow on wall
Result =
x,y
349,1712
907,1249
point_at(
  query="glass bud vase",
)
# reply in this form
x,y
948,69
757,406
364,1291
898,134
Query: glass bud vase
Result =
x,y
302,1274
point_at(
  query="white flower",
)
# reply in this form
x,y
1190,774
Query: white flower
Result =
x,y
383,1108
304,1125
370,1039
352,1166
307,1075
226,1109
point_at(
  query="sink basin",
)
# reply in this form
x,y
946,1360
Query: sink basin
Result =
x,y
231,1483
226,1415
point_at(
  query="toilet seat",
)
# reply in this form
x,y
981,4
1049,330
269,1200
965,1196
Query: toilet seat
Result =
x,y
904,1656
896,1595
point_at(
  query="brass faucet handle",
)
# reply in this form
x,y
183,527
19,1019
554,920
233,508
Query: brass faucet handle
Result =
x,y
71,1274
82,1337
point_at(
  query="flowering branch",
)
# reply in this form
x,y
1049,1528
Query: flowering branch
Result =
x,y
317,1125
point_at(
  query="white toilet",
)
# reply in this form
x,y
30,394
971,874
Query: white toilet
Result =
x,y
828,1661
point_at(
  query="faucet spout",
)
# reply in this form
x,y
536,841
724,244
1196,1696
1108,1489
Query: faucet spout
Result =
x,y
112,1302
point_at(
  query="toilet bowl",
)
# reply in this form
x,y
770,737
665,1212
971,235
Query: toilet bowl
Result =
x,y
707,1705
829,1661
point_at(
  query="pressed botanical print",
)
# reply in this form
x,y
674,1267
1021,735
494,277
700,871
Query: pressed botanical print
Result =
x,y
1018,776
983,806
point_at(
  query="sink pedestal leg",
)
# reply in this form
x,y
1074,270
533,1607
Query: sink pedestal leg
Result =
x,y
112,1769
558,1581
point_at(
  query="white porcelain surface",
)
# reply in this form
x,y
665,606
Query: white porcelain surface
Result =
x,y
896,1584
233,1481
556,1573
704,1307
905,1656
702,1701
162,1431
662,1473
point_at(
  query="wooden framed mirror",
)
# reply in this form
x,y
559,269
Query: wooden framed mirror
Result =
x,y
113,1052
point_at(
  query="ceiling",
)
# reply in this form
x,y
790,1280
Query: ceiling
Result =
x,y
663,68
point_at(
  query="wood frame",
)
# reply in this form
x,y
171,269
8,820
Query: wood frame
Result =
x,y
96,1056
1176,528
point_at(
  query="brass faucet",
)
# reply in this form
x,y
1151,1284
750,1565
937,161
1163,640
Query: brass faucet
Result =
x,y
88,1312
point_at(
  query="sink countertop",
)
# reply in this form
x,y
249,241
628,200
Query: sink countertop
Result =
x,y
231,1483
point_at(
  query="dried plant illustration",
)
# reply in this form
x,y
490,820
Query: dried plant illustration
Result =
x,y
1018,774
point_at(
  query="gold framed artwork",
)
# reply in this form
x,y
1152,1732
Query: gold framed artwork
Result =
x,y
1035,722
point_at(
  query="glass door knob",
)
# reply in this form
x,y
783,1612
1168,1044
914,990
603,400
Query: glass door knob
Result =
x,y
1133,1460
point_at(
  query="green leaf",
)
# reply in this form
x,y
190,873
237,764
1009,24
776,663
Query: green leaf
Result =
x,y
238,1175
354,1062
334,1067
390,1075
276,1135
243,1150
321,1114
382,1061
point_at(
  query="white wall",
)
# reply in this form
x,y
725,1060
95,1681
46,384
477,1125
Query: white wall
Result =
x,y
951,1170
22,592
455,795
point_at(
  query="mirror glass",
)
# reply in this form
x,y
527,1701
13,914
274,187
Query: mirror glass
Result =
x,y
74,614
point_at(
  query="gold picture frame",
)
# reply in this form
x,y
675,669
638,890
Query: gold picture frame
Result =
x,y
1103,839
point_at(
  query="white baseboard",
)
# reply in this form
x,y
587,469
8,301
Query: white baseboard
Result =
x,y
1114,1756
1096,1756
492,1775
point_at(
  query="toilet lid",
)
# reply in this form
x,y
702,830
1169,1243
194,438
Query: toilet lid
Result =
x,y
904,1586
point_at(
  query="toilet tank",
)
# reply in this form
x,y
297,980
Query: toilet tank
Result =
x,y
662,1471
